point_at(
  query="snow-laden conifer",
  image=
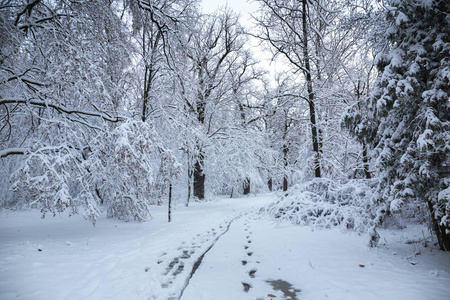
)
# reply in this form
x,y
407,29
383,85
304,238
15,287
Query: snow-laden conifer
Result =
x,y
411,106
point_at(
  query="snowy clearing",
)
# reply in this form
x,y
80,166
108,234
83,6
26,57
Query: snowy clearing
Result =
x,y
244,255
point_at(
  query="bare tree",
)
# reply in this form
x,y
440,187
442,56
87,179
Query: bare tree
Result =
x,y
211,44
293,31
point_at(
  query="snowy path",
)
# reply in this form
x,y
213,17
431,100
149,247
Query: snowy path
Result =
x,y
235,252
68,258
257,259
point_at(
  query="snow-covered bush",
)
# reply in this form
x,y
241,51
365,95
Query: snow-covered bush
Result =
x,y
122,171
132,170
50,179
324,203
231,161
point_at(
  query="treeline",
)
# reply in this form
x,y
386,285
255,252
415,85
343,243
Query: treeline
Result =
x,y
104,105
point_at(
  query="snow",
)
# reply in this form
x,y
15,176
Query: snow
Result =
x,y
396,205
396,57
426,3
68,258
401,18
6,152
445,193
424,140
323,203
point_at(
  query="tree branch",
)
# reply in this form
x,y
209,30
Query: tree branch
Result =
x,y
62,109
12,151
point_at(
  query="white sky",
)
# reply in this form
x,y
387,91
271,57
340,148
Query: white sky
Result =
x,y
245,8
242,7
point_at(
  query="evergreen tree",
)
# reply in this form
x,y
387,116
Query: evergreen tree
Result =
x,y
411,105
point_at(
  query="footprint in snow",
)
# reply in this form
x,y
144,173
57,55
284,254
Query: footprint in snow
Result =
x,y
171,265
252,273
186,254
178,270
246,286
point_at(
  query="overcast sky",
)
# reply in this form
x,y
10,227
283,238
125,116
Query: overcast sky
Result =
x,y
245,8
242,7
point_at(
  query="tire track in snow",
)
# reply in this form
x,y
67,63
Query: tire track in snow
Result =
x,y
200,258
174,266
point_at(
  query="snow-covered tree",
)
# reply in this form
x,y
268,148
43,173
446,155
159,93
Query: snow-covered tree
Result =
x,y
365,24
64,83
410,104
220,71
294,30
132,169
62,68
286,120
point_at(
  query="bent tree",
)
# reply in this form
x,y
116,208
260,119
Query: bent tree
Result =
x,y
68,141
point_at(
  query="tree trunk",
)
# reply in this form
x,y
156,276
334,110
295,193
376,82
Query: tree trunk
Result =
x,y
148,78
246,186
199,178
189,193
312,110
445,238
366,162
170,203
285,179
246,183
150,68
364,152
285,184
146,94
190,174
440,231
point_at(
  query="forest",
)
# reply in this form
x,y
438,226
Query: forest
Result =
x,y
122,106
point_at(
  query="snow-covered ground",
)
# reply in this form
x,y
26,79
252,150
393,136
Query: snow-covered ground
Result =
x,y
236,253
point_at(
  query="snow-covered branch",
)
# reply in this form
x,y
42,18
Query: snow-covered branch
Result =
x,y
62,109
13,151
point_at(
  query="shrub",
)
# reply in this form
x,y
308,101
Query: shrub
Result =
x,y
323,203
